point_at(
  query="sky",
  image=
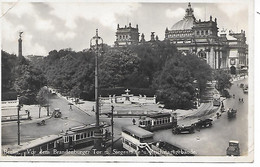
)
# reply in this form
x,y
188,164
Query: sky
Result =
x,y
58,25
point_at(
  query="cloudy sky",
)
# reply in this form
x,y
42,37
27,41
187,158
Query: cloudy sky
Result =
x,y
57,25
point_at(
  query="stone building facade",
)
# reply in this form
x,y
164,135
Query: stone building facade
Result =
x,y
127,35
219,49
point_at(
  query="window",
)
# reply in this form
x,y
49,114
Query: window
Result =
x,y
77,137
198,33
207,32
202,32
91,133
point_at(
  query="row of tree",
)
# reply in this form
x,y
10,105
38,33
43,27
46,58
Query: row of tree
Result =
x,y
158,66
21,76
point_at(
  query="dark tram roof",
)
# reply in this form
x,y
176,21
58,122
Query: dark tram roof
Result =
x,y
159,115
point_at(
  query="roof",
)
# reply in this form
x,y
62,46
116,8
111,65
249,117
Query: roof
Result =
x,y
137,131
184,24
24,146
234,141
159,115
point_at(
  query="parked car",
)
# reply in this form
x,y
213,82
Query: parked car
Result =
x,y
203,123
233,148
183,129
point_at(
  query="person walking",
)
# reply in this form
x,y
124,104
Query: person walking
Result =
x,y
133,121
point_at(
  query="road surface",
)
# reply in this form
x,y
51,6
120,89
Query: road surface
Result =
x,y
214,140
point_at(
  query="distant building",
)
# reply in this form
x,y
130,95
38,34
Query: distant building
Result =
x,y
219,50
201,38
127,36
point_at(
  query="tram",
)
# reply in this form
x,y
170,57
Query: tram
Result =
x,y
81,136
41,146
158,121
216,100
76,137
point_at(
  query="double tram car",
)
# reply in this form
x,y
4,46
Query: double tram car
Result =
x,y
216,100
41,146
158,121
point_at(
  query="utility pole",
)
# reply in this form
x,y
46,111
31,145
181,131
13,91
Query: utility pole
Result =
x,y
112,126
19,106
18,122
97,46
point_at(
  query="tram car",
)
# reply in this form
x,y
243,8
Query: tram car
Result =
x,y
82,136
76,137
41,146
216,100
158,121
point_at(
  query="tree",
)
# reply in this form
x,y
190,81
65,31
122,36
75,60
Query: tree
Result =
x,y
223,80
43,99
117,68
8,73
28,81
174,85
199,69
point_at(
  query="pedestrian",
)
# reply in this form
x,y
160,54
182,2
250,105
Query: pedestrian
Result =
x,y
242,100
70,107
239,99
133,121
233,96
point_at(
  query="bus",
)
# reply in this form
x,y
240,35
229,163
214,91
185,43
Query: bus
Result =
x,y
137,140
216,100
158,121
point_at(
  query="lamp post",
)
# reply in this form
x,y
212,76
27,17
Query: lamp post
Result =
x,y
18,122
94,43
112,131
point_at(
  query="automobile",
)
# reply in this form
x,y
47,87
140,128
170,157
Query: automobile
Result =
x,y
231,113
233,148
204,123
56,113
183,129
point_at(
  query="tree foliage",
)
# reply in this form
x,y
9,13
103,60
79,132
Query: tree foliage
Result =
x,y
223,80
20,75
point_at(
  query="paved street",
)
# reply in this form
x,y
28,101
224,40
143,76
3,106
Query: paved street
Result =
x,y
211,141
30,130
214,140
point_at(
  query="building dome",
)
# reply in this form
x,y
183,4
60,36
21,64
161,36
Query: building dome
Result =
x,y
184,24
187,22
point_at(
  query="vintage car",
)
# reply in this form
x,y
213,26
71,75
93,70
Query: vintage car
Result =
x,y
203,123
233,148
183,129
56,113
231,113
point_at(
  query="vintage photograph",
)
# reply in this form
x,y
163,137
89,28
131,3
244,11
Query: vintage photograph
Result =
x,y
127,81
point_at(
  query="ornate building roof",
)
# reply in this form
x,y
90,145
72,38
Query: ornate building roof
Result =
x,y
187,22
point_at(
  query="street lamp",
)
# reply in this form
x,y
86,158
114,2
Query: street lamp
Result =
x,y
96,43
18,120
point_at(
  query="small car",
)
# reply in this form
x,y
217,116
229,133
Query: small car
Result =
x,y
231,113
57,113
204,123
233,148
183,129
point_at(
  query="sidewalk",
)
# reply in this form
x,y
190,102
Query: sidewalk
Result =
x,y
33,113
